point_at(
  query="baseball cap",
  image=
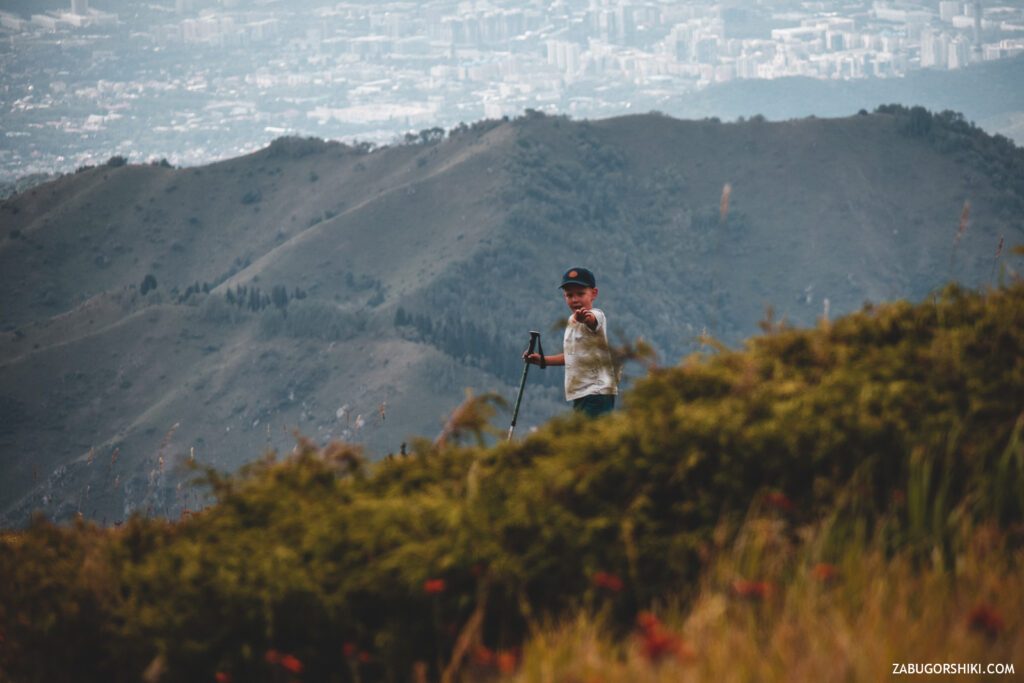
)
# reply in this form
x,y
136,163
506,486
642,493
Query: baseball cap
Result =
x,y
578,276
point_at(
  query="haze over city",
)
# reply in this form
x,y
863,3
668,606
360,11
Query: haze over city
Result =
x,y
192,81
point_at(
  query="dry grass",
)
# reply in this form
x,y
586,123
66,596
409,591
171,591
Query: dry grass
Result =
x,y
800,619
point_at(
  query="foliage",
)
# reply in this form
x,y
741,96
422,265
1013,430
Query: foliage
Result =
x,y
901,423
295,147
252,197
995,155
427,136
148,283
771,609
313,319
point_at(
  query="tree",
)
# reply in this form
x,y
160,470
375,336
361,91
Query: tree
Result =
x,y
279,297
148,283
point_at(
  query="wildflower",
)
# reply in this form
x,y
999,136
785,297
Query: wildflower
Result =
x,y
272,656
364,657
825,572
433,586
753,590
656,642
608,581
659,644
986,619
780,501
222,677
349,649
291,663
506,661
646,621
483,655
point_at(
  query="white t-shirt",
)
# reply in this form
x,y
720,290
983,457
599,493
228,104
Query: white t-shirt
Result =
x,y
588,362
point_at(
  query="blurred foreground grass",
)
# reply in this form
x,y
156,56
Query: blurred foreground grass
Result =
x,y
806,620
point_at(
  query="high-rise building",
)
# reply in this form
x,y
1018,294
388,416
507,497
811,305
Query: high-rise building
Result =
x,y
977,22
80,7
934,49
949,9
959,53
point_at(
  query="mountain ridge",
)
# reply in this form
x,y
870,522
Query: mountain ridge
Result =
x,y
345,292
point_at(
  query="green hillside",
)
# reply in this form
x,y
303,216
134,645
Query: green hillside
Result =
x,y
150,314
887,442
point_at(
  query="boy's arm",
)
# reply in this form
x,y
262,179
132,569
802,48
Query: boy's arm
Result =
x,y
534,358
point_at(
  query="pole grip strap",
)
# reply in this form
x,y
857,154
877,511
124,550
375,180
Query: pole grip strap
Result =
x,y
535,341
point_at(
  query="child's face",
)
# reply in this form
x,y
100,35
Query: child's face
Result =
x,y
579,297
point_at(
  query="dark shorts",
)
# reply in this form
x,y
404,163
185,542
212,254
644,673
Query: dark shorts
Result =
x,y
595,404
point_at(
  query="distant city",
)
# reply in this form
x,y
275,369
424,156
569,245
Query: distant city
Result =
x,y
192,81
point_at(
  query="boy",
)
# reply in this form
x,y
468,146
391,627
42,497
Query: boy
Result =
x,y
590,378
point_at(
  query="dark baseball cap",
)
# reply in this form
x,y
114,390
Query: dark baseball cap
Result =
x,y
578,276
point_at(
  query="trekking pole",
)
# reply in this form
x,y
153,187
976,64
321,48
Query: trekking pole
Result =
x,y
534,341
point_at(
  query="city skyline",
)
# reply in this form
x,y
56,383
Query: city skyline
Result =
x,y
197,80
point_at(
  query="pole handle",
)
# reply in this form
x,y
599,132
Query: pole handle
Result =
x,y
534,341
534,344
535,336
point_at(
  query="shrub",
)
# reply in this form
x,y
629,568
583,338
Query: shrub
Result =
x,y
294,147
148,284
252,197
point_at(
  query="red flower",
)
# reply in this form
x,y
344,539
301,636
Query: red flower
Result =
x,y
780,501
656,642
986,619
222,677
646,621
483,655
272,656
349,649
433,586
364,657
507,661
825,572
608,581
291,663
753,590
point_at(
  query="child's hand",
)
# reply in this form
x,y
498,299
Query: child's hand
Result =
x,y
584,316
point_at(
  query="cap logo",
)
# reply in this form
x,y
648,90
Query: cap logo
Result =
x,y
573,273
